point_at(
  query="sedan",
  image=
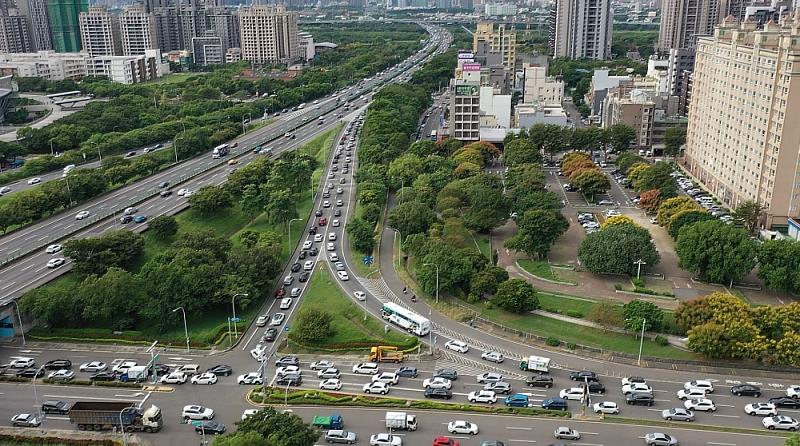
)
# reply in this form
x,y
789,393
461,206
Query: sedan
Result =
x,y
269,334
304,276
343,276
330,384
360,295
437,383
539,381
385,440
677,414
786,402
660,439
35,180
206,378
286,302
61,375
780,422
174,378
573,393
407,372
606,407
55,263
340,436
746,390
376,387
296,265
499,387
456,346
194,412
761,409
331,372
495,357
81,215
30,373
58,364
250,378
277,319
262,320
636,387
703,404
566,433
583,376
321,364
482,396
288,370
287,360
489,377
25,420
220,370
52,249
210,427
442,394
462,427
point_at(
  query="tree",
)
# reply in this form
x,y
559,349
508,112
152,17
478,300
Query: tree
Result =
x,y
747,213
371,213
469,154
272,429
614,249
411,217
674,138
636,172
649,200
536,200
657,176
163,226
718,252
210,199
455,269
521,151
361,235
404,169
313,325
672,206
525,178
516,296
637,310
779,262
282,206
483,283
53,306
617,220
575,164
204,240
538,230
591,183
96,255
620,137
686,218
692,313
488,208
111,300
606,314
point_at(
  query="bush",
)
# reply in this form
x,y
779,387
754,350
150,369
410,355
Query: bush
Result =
x,y
575,313
661,340
553,342
571,345
618,287
638,283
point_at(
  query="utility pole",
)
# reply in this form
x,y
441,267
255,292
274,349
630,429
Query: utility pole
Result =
x,y
641,342
639,264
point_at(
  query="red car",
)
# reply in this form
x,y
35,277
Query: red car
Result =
x,y
280,292
323,221
444,441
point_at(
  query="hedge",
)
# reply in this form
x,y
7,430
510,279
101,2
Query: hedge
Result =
x,y
33,440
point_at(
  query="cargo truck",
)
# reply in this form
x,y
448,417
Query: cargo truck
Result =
x,y
334,421
105,415
385,353
401,420
137,373
535,364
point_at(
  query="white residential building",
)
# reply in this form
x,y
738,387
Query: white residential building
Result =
x,y
538,87
59,66
268,34
136,29
99,34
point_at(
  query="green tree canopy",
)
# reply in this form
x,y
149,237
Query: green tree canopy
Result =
x,y
411,217
538,230
516,296
715,251
636,311
615,248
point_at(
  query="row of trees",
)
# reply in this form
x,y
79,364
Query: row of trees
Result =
x,y
584,174
268,427
551,139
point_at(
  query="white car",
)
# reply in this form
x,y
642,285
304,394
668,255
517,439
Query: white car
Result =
x,y
482,396
607,407
35,180
277,319
52,249
496,357
386,377
366,368
457,346
318,238
81,215
781,422
307,244
700,384
703,404
262,320
793,391
250,378
183,192
330,372
258,352
248,413
573,393
636,388
330,384
322,364
207,378
173,378
286,302
94,366
194,412
61,375
490,377
694,392
123,366
360,295
55,263
385,440
343,276
287,370
462,427
308,265
761,409
437,383
335,223
376,387
25,420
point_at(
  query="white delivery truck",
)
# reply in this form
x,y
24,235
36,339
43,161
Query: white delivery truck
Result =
x,y
137,373
401,421
535,364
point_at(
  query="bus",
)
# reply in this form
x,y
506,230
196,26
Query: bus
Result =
x,y
220,151
407,319
433,135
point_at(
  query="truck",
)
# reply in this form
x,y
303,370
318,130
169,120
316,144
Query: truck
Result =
x,y
220,151
535,364
334,421
386,353
136,373
401,420
105,415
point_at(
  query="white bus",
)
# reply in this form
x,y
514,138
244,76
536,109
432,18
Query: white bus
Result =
x,y
407,319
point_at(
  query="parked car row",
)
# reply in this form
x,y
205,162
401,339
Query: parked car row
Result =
x,y
589,222
702,198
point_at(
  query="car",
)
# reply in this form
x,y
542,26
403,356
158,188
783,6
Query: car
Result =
x,y
321,364
258,352
639,399
130,154
746,390
596,387
539,381
407,372
761,409
446,441
288,280
385,440
308,265
366,368
296,265
322,221
566,433
330,372
440,393
130,211
209,427
294,293
288,370
517,400
704,404
330,384
482,396
289,380
386,377
340,202
337,212
780,422
330,247
61,375
636,387
55,407
685,394
572,393
286,302
700,384
81,215
250,378
125,219
220,370
326,204
462,427
376,387
606,407
174,378
793,391
677,414
489,377
4,190
335,222
360,295
437,382
166,193
35,180
583,375
52,249
25,420
163,184
660,439
287,360
55,263
277,319
785,402
493,356
340,436
206,378
58,364
339,266
31,373
249,413
304,276
262,320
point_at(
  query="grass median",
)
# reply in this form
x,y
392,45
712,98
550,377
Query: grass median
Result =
x,y
542,269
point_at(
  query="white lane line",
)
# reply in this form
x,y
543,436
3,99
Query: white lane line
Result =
x,y
29,266
588,433
80,397
523,441
721,444
519,428
726,416
10,284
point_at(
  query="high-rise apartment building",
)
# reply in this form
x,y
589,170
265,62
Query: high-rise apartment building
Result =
x,y
224,23
742,140
136,30
65,23
14,32
496,39
581,29
99,32
683,21
38,21
268,34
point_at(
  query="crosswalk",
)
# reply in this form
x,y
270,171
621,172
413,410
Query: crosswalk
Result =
x,y
467,366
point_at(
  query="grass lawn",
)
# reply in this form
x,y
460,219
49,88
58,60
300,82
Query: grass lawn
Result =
x,y
541,268
556,303
172,78
353,328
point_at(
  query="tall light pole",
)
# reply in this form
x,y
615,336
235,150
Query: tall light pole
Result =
x,y
639,264
66,178
290,230
233,304
36,395
400,257
185,328
641,342
437,279
122,428
21,328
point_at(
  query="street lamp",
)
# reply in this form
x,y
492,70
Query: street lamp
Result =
x,y
641,342
185,329
290,230
122,428
233,304
639,264
21,328
437,279
36,395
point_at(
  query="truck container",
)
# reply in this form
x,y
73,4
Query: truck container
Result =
x,y
385,353
105,415
535,364
136,373
401,420
334,421
220,151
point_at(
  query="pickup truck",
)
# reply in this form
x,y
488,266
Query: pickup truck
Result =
x,y
334,421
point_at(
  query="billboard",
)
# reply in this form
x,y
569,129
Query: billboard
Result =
x,y
466,90
466,55
471,67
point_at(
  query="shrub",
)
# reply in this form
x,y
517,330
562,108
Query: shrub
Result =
x,y
661,340
574,313
571,345
638,283
553,342
618,287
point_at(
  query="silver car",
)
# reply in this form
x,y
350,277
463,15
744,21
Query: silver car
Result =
x,y
340,436
660,439
677,414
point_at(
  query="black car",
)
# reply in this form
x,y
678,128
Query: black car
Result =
x,y
746,390
304,276
583,375
640,399
162,369
442,394
166,193
313,230
55,406
303,255
296,267
313,251
58,364
212,427
163,184
785,402
30,373
596,387
337,212
407,372
318,213
539,381
450,374
103,376
287,360
269,335
125,219
289,380
221,370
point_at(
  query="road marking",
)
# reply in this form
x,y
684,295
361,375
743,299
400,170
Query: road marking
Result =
x,y
79,397
721,444
57,418
588,433
10,284
725,405
520,428
726,416
524,441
